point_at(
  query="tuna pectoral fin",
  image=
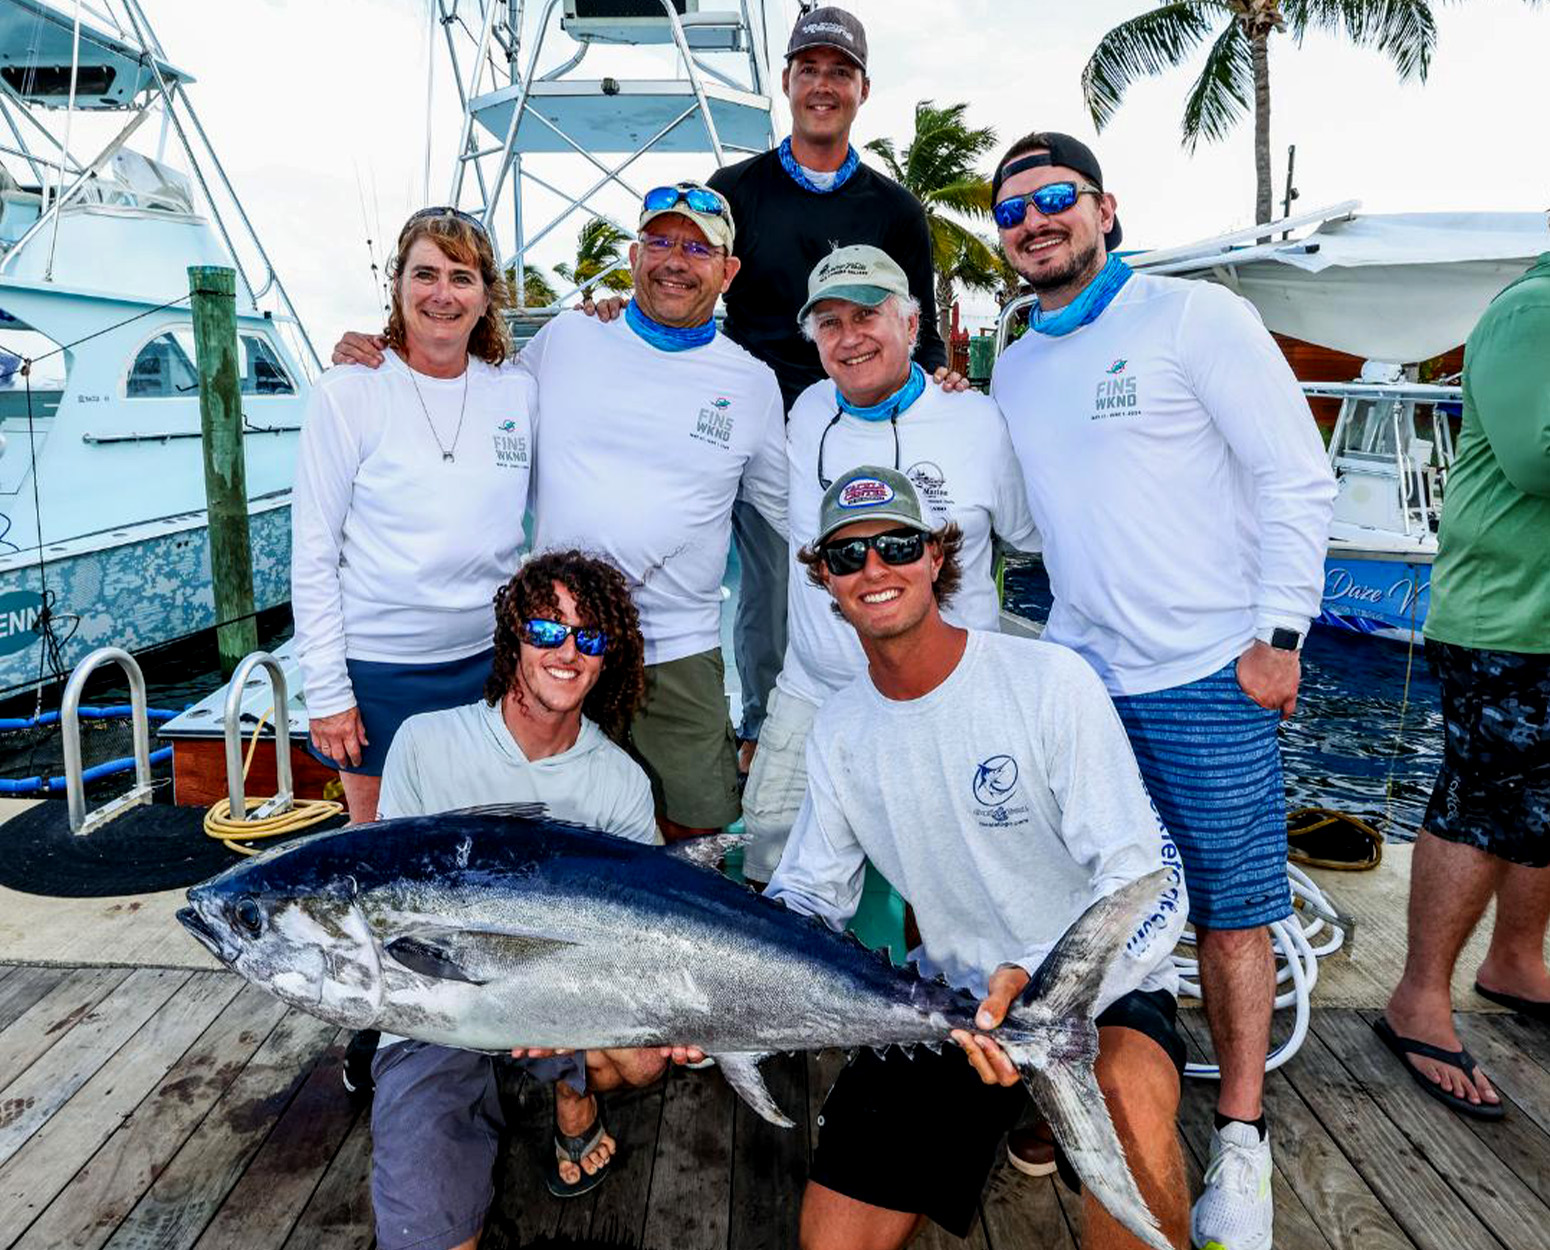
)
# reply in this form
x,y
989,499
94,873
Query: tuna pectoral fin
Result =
x,y
1069,1097
472,955
742,1072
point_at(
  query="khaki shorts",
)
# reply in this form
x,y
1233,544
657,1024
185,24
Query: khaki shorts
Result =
x,y
777,783
682,737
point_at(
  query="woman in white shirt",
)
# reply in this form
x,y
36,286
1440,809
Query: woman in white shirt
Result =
x,y
407,513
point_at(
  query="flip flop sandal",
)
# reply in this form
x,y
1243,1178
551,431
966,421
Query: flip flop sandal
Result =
x,y
1319,837
574,1150
1533,1008
1460,1059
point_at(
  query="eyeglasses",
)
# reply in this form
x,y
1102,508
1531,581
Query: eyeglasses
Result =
x,y
699,199
662,246
1050,199
446,210
892,547
547,635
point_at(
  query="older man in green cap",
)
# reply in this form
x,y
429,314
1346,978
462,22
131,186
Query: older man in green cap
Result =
x,y
875,407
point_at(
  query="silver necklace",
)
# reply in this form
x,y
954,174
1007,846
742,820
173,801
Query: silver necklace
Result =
x,y
446,452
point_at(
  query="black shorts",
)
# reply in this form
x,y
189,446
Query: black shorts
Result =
x,y
921,1134
1493,790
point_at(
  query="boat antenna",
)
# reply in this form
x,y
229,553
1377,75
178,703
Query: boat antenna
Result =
x,y
371,249
64,151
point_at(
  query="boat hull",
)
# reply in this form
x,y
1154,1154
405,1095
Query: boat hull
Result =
x,y
1380,594
137,588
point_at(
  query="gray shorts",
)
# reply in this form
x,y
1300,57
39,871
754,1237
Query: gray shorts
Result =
x,y
436,1122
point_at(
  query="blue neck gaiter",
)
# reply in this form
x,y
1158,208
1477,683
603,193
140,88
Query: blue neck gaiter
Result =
x,y
792,166
668,338
1086,307
894,405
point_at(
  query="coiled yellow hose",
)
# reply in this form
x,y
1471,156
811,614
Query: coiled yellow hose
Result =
x,y
303,814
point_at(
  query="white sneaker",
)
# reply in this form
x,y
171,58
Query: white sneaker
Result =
x,y
1235,1208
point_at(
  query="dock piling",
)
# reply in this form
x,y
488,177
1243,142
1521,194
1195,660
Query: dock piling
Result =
x,y
213,300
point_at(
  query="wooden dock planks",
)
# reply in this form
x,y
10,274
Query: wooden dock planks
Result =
x,y
176,1110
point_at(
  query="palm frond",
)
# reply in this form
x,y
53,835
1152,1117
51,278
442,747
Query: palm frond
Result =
x,y
884,148
1143,46
1403,30
1224,92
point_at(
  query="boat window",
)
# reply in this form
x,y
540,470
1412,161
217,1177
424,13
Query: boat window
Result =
x,y
166,368
1371,429
262,372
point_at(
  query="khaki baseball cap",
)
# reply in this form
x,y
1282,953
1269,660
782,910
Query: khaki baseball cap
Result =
x,y
869,493
715,225
861,274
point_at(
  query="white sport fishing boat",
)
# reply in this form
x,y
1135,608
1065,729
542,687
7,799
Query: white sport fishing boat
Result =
x,y
103,534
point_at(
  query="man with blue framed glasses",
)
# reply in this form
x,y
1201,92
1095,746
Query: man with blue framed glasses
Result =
x,y
1184,498
649,428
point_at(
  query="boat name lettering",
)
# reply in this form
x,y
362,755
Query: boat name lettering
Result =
x,y
19,620
1341,583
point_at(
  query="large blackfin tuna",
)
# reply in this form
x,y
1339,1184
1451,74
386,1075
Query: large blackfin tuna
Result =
x,y
496,928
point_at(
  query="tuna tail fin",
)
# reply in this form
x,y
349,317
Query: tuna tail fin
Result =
x,y
1067,983
1051,1038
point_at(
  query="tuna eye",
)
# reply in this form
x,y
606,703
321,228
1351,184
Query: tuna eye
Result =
x,y
249,916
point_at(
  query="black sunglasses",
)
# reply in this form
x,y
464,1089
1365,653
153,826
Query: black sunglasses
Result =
x,y
902,546
446,210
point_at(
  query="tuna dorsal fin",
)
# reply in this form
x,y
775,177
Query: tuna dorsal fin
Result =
x,y
707,852
742,1072
473,955
508,811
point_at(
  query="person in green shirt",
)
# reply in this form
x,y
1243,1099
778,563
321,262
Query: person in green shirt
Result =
x,y
1487,827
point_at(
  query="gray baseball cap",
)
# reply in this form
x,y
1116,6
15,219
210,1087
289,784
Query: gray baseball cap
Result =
x,y
869,493
860,273
829,27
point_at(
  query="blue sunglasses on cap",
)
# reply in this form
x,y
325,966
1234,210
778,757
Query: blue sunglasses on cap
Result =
x,y
1050,199
547,635
700,199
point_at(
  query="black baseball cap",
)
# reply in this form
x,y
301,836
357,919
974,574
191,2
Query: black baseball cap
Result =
x,y
829,27
1059,149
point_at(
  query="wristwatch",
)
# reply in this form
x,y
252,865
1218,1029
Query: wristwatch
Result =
x,y
1281,638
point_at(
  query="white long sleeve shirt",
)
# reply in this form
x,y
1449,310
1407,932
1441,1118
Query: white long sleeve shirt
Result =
x,y
1177,478
1001,805
396,553
642,453
956,450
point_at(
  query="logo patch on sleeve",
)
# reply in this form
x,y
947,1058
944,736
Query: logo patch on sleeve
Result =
x,y
865,492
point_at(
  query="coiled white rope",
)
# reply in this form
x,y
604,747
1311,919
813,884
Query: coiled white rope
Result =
x,y
1313,920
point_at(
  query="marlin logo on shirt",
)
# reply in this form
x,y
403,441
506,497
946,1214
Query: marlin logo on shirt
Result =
x,y
995,789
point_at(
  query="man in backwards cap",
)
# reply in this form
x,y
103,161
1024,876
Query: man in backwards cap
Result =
x,y
1184,499
875,407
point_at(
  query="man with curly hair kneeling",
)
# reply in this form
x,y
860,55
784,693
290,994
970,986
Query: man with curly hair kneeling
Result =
x,y
566,680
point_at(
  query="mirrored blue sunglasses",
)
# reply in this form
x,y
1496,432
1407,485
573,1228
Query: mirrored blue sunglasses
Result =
x,y
700,199
548,635
1050,199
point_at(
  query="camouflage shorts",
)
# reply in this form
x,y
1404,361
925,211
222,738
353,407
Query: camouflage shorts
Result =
x,y
1493,791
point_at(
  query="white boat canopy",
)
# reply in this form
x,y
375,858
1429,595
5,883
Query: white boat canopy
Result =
x,y
1400,287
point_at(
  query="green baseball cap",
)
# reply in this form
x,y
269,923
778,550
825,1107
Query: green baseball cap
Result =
x,y
861,274
869,493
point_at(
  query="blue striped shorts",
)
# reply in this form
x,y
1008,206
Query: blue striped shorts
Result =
x,y
1209,756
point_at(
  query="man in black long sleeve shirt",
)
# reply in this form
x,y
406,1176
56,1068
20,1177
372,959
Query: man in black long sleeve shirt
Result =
x,y
792,207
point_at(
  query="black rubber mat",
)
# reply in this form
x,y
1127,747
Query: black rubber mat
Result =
x,y
150,848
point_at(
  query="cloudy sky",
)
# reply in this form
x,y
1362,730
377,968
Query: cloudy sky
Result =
x,y
318,109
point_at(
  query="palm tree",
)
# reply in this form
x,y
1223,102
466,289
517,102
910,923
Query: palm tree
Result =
x,y
938,168
536,289
1237,68
598,246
